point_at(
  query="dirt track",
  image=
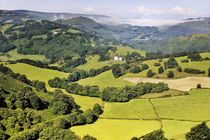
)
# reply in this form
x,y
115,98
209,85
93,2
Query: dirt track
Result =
x,y
184,84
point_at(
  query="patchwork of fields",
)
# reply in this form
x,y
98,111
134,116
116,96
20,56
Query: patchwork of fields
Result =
x,y
137,117
176,115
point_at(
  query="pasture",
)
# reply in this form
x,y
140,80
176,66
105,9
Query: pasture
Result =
x,y
13,55
134,109
193,107
105,79
178,114
36,73
86,102
108,129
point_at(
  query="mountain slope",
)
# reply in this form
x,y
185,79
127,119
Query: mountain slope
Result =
x,y
196,42
196,26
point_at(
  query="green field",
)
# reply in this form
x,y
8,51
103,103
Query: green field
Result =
x,y
93,63
194,107
13,55
35,73
178,115
135,109
105,79
105,129
177,129
86,102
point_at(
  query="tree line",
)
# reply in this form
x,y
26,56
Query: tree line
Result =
x,y
109,94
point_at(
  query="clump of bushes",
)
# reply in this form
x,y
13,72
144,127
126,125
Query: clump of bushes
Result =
x,y
150,73
135,69
171,63
170,74
199,132
160,70
155,135
185,61
194,71
157,64
113,94
194,56
198,85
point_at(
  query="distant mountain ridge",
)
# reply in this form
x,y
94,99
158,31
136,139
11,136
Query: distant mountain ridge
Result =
x,y
55,16
144,37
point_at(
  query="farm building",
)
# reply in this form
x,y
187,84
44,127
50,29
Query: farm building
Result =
x,y
118,58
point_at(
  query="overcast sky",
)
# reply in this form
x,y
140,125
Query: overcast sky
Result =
x,y
140,12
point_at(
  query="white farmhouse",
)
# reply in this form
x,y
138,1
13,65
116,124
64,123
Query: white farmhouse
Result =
x,y
117,58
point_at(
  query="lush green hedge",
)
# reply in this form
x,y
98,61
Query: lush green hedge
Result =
x,y
194,71
110,94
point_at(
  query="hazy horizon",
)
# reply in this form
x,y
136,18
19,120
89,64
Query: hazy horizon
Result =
x,y
151,12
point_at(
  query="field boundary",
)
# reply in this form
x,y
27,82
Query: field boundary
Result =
x,y
156,113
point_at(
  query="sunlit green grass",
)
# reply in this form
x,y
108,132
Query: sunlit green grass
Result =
x,y
13,55
105,79
193,107
177,129
86,102
105,129
135,109
35,73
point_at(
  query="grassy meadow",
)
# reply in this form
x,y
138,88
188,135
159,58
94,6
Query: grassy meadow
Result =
x,y
108,129
194,107
13,55
35,73
135,109
105,79
178,114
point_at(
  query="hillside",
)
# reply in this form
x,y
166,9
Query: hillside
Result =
x,y
195,42
55,41
70,76
26,111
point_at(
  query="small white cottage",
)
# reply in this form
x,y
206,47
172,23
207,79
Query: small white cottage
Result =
x,y
117,58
